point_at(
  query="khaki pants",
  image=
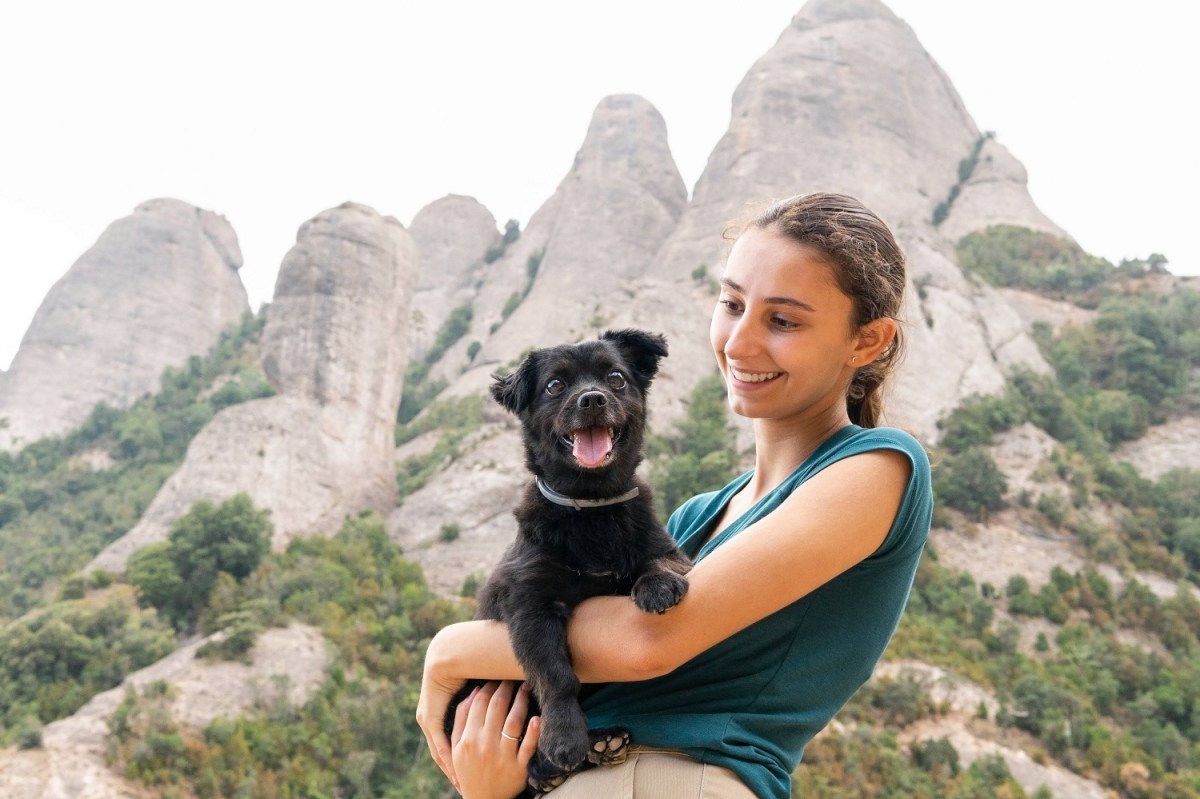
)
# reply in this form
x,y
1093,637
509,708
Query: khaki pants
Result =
x,y
654,774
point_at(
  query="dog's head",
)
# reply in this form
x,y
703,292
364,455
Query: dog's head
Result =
x,y
583,407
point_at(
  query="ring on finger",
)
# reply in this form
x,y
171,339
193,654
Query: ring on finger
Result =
x,y
505,735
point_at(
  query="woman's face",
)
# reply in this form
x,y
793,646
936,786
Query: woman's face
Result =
x,y
782,330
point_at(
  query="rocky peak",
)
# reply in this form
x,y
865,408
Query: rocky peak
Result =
x,y
156,288
334,348
586,250
996,193
452,236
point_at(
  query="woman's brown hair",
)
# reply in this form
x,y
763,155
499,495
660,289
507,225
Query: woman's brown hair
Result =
x,y
868,266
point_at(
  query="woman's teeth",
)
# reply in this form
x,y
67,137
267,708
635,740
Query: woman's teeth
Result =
x,y
754,377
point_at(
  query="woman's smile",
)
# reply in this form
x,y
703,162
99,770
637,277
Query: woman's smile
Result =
x,y
752,377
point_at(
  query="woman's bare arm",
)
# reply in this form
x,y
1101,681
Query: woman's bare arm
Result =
x,y
831,522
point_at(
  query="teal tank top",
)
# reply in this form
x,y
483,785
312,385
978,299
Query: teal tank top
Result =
x,y
754,701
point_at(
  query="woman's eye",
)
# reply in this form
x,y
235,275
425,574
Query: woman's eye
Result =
x,y
732,306
785,324
616,379
555,387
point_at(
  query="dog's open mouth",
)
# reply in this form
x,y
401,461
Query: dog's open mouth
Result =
x,y
591,446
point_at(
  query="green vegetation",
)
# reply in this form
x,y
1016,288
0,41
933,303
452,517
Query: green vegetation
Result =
x,y
57,510
512,232
178,577
418,392
356,736
1017,257
699,454
515,299
966,167
53,661
454,419
971,482
866,762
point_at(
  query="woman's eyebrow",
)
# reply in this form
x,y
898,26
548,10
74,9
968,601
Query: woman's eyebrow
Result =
x,y
804,306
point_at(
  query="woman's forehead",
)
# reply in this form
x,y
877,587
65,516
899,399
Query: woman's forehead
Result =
x,y
765,263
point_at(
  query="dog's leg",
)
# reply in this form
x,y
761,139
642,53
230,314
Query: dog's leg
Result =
x,y
539,637
661,584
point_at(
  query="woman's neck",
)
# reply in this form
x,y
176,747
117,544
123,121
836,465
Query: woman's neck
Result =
x,y
781,446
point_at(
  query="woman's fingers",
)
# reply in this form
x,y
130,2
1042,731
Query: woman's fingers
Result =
x,y
498,709
477,713
528,745
517,712
460,717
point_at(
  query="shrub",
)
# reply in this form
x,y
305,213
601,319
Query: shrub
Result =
x,y
1017,257
971,482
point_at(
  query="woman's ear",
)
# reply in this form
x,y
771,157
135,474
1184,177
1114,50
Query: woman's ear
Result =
x,y
872,339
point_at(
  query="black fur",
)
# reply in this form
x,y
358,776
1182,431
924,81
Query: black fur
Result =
x,y
563,555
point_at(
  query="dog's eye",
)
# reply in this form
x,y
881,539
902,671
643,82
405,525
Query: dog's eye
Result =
x,y
616,379
555,387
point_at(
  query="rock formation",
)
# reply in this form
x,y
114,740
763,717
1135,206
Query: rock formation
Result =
x,y
596,236
334,349
997,193
452,235
592,246
157,287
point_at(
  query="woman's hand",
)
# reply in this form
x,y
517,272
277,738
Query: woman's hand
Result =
x,y
492,744
469,649
437,690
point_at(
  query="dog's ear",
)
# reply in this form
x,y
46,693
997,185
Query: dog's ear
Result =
x,y
517,390
641,350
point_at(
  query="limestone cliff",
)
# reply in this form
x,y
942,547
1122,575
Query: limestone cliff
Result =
x,y
156,288
334,349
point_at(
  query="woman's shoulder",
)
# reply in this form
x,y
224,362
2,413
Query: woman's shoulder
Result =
x,y
867,439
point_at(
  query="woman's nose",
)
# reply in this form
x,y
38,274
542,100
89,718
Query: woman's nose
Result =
x,y
742,340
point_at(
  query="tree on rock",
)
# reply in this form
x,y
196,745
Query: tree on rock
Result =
x,y
178,577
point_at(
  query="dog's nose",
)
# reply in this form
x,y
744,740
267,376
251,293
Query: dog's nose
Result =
x,y
591,399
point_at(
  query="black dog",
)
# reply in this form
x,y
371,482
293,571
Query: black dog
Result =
x,y
586,525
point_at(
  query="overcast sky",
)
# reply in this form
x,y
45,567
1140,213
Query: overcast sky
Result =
x,y
270,112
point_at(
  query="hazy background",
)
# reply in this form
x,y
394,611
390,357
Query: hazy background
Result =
x,y
270,112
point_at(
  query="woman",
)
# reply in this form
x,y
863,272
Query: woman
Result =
x,y
803,564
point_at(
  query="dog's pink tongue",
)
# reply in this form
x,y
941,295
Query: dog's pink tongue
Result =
x,y
592,445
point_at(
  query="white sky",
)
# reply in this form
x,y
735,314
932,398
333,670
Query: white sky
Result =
x,y
270,112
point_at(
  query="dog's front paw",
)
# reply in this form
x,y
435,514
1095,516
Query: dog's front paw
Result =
x,y
544,776
659,592
609,746
564,742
